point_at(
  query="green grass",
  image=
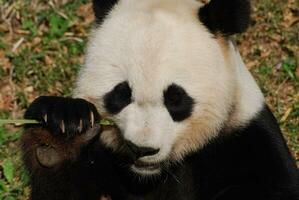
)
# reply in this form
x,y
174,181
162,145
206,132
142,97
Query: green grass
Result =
x,y
271,49
52,40
14,179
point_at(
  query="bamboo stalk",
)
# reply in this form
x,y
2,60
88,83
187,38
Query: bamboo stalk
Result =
x,y
20,122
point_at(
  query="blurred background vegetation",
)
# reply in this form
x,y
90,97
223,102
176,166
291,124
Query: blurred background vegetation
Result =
x,y
42,46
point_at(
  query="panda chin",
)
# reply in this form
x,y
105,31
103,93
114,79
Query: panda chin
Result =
x,y
146,168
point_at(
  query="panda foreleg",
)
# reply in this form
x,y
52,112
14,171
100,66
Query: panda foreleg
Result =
x,y
52,151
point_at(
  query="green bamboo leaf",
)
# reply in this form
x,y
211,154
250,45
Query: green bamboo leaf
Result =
x,y
8,170
106,122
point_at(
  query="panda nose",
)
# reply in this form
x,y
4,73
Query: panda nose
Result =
x,y
142,151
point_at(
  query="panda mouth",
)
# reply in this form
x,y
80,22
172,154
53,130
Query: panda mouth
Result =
x,y
141,166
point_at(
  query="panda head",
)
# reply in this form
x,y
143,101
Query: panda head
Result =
x,y
164,71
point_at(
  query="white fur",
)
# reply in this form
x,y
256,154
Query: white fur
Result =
x,y
151,44
249,98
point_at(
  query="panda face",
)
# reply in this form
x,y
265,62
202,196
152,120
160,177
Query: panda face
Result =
x,y
162,76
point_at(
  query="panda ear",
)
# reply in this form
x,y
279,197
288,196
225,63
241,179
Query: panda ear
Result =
x,y
102,8
226,17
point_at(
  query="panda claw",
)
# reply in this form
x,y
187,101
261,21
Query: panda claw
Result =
x,y
45,118
62,127
91,119
80,126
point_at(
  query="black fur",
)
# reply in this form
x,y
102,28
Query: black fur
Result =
x,y
248,163
178,102
226,17
56,109
102,8
118,98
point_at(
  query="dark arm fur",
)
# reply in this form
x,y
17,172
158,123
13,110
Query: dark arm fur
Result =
x,y
68,178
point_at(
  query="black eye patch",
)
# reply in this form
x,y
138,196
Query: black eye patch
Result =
x,y
178,103
118,98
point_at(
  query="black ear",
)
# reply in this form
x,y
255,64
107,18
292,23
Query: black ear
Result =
x,y
102,8
226,17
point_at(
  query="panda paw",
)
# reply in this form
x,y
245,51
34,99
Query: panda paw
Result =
x,y
62,116
66,125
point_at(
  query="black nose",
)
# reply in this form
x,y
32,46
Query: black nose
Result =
x,y
142,151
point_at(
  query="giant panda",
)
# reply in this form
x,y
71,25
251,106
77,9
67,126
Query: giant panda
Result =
x,y
190,121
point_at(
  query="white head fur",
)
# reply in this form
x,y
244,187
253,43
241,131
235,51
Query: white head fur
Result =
x,y
152,44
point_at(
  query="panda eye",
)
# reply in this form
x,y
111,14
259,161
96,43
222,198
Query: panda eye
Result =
x,y
118,98
178,103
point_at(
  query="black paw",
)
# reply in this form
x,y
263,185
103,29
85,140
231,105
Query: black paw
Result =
x,y
63,116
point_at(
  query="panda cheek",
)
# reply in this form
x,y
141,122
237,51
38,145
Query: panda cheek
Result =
x,y
110,137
